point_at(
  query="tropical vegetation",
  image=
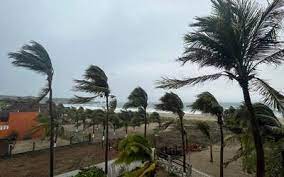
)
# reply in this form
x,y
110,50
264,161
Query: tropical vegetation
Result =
x,y
237,38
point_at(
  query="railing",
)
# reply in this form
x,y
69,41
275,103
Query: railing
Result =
x,y
173,165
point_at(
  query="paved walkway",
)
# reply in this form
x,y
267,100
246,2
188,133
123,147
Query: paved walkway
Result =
x,y
75,172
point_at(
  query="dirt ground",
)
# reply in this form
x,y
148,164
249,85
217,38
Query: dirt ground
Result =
x,y
35,164
200,161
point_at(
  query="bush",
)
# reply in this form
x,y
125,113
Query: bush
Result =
x,y
91,172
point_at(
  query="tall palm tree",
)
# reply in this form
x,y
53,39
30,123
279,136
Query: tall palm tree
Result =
x,y
272,132
207,103
205,129
138,98
172,103
95,82
237,38
34,57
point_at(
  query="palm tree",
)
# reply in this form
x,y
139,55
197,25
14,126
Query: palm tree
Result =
x,y
205,129
136,148
271,130
236,39
207,103
155,117
34,57
125,116
172,103
95,82
96,117
138,98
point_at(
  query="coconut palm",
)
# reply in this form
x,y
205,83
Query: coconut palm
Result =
x,y
237,38
205,129
138,98
95,82
155,117
96,117
207,103
34,57
172,103
136,148
126,116
271,130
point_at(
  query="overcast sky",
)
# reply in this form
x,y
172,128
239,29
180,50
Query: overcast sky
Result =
x,y
134,41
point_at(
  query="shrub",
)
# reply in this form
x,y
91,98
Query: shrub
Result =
x,y
91,172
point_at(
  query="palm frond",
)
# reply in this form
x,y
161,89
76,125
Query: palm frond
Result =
x,y
207,103
81,100
170,102
271,96
137,98
204,128
44,91
167,83
34,57
95,82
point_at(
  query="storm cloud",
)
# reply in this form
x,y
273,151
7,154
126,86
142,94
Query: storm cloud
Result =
x,y
134,41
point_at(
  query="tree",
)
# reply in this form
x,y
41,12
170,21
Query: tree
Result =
x,y
207,103
205,129
138,98
96,117
81,115
34,57
272,132
136,148
155,117
126,117
236,39
172,103
95,82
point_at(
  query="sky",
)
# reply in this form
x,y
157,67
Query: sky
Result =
x,y
135,42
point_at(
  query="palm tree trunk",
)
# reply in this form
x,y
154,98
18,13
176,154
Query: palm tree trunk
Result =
x,y
145,122
51,146
56,135
211,153
260,172
106,139
183,143
220,123
126,130
282,163
93,136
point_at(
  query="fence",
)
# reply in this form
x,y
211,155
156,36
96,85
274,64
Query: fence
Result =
x,y
174,165
67,139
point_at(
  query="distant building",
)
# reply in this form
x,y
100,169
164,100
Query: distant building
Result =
x,y
19,123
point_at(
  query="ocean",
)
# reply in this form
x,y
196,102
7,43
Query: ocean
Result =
x,y
150,108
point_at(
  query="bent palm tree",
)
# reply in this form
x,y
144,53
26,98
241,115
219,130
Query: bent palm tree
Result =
x,y
271,131
205,129
138,98
34,57
172,103
237,38
207,103
95,82
136,148
155,117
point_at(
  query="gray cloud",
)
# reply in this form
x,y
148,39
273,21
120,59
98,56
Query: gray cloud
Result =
x,y
135,42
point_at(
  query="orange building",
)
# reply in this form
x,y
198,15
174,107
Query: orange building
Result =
x,y
20,123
